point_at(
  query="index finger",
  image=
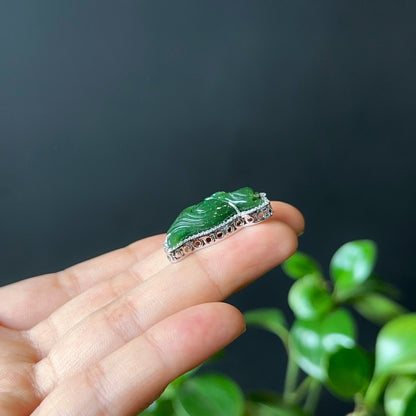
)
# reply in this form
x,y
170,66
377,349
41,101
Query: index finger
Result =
x,y
24,304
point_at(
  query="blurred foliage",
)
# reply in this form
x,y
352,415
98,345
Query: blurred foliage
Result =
x,y
321,345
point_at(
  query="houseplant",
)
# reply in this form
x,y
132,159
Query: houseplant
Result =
x,y
321,346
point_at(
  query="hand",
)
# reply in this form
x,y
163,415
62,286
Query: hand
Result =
x,y
106,336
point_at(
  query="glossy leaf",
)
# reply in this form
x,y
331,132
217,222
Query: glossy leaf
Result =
x,y
159,408
271,319
300,265
171,389
264,409
270,404
352,264
378,308
349,371
309,298
376,284
209,395
373,285
411,406
400,397
396,346
314,341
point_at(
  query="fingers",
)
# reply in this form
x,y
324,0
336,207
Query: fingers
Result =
x,y
146,364
25,303
208,275
290,215
45,334
14,348
32,300
49,331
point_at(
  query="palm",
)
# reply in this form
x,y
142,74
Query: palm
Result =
x,y
106,336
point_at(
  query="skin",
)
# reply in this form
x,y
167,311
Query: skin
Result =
x,y
106,336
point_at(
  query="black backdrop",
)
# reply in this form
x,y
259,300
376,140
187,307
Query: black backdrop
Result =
x,y
116,115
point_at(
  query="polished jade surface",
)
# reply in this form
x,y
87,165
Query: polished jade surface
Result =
x,y
211,212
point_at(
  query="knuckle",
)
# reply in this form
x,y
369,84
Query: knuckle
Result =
x,y
209,275
122,318
96,381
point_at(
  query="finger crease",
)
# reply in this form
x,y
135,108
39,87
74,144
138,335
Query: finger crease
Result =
x,y
159,352
132,253
52,333
115,318
116,289
53,328
52,379
68,281
95,378
30,340
208,276
137,277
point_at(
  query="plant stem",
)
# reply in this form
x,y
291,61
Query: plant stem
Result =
x,y
299,394
374,391
292,372
312,397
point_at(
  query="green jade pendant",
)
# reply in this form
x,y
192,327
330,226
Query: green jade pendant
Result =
x,y
213,219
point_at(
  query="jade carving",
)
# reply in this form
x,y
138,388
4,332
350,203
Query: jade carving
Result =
x,y
202,223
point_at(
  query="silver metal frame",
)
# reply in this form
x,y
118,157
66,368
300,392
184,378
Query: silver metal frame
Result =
x,y
221,231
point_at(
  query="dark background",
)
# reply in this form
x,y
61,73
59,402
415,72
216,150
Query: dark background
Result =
x,y
116,115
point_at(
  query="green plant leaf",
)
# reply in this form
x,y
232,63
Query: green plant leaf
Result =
x,y
270,404
378,308
349,371
309,298
411,406
396,347
159,408
376,284
300,265
171,390
400,397
313,341
352,264
271,319
163,405
373,285
209,395
264,409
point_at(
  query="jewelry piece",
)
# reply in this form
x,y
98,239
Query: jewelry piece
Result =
x,y
213,219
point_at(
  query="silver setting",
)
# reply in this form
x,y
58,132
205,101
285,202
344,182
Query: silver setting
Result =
x,y
221,231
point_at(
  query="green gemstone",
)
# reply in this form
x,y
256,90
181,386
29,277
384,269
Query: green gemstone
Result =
x,y
209,213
